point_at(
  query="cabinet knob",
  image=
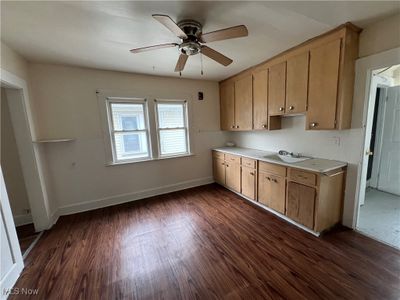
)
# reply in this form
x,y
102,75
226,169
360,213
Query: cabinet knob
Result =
x,y
291,107
252,173
269,179
314,124
227,165
274,180
233,126
280,108
264,126
237,126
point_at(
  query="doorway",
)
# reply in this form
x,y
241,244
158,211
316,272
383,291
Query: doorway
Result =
x,y
14,179
379,211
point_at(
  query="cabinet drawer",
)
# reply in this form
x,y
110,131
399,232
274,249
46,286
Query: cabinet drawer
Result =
x,y
219,155
232,158
248,162
272,168
302,177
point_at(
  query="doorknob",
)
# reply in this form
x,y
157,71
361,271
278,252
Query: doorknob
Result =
x,y
369,153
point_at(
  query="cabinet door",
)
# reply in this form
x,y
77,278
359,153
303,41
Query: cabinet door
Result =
x,y
296,83
227,105
277,89
271,191
300,204
219,170
260,100
323,86
249,182
232,176
244,103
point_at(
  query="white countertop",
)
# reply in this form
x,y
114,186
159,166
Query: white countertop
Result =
x,y
319,165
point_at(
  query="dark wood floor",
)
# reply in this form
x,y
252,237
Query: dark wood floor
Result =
x,y
204,243
26,236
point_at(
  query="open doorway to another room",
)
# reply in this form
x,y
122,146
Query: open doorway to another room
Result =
x,y
379,212
14,180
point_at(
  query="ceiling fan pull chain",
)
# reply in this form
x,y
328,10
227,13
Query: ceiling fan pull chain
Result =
x,y
201,62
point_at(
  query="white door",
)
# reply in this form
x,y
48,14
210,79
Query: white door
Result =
x,y
389,172
11,262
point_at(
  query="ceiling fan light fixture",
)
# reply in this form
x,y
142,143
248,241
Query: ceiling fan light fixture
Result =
x,y
190,48
192,38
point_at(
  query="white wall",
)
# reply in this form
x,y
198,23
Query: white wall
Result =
x,y
380,36
66,105
11,165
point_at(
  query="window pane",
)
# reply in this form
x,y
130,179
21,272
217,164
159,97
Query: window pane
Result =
x,y
131,145
170,115
173,141
128,116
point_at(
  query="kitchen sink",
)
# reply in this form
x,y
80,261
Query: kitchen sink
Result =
x,y
286,158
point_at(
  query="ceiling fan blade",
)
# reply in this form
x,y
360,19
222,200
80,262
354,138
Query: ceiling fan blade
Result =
x,y
155,47
180,65
215,55
171,25
224,34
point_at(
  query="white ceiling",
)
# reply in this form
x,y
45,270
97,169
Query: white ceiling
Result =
x,y
99,34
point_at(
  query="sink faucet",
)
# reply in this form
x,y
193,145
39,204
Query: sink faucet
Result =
x,y
284,152
287,153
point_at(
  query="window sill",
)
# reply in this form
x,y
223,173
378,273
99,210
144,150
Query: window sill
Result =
x,y
110,164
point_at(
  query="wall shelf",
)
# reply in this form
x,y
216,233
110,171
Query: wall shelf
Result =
x,y
44,141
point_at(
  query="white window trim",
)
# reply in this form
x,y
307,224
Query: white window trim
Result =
x,y
151,115
112,131
185,127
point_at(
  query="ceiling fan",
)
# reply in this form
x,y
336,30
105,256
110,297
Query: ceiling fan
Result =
x,y
192,38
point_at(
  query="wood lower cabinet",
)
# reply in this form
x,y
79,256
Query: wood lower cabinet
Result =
x,y
219,170
232,176
271,191
311,199
301,203
249,182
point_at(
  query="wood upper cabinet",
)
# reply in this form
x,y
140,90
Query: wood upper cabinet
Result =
x,y
249,182
316,78
227,105
260,100
244,103
297,83
323,86
301,204
277,89
232,175
271,191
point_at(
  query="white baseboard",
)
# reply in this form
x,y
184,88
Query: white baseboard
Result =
x,y
118,199
20,220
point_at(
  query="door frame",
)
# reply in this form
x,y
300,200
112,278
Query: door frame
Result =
x,y
363,82
29,152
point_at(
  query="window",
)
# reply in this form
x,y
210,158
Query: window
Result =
x,y
172,130
131,125
128,129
